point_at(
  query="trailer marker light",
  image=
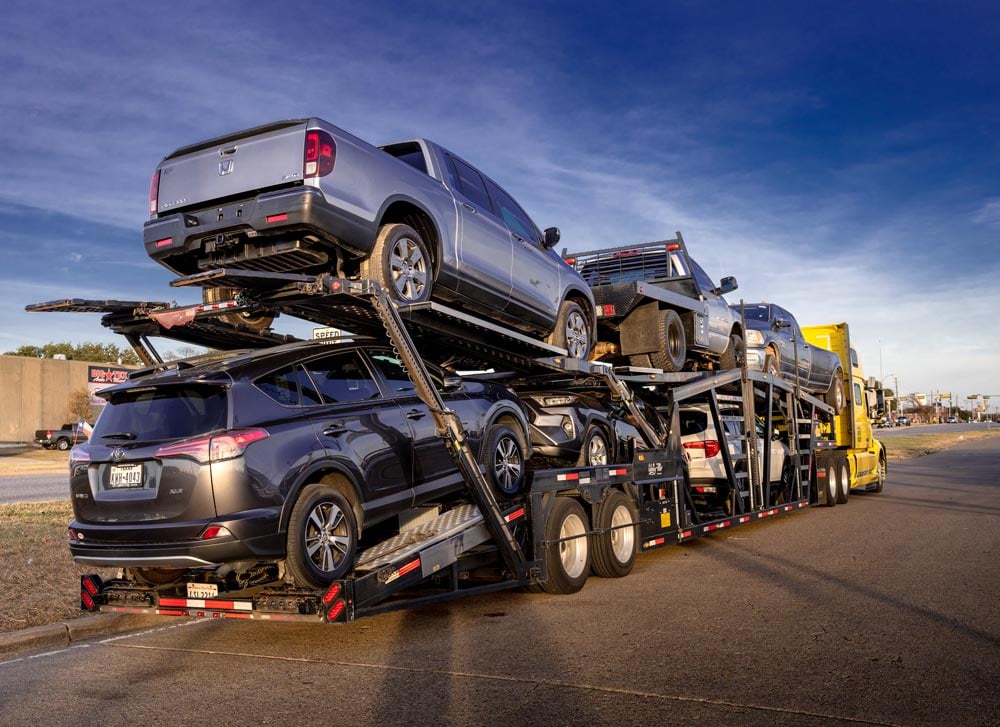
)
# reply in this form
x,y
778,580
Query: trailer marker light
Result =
x,y
673,247
276,218
164,242
409,567
89,586
87,602
515,515
570,260
334,613
568,477
331,593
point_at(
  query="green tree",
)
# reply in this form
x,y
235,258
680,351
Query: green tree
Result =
x,y
87,351
80,406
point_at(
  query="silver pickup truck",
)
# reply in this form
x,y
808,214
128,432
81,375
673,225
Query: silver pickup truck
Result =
x,y
304,196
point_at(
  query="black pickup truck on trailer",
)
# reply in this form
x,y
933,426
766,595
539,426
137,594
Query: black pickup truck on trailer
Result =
x,y
567,524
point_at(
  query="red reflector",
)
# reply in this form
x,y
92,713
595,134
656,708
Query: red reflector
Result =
x,y
213,531
607,310
164,242
334,613
515,515
90,586
276,218
331,593
87,601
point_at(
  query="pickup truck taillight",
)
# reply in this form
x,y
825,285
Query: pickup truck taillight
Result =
x,y
319,154
154,192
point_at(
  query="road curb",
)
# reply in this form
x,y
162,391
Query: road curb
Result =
x,y
65,633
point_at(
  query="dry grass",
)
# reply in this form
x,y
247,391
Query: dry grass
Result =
x,y
34,461
41,583
904,446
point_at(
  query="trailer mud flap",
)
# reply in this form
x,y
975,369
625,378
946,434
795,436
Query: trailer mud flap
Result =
x,y
639,330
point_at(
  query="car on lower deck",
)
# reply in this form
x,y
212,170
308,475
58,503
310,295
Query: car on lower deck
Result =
x,y
284,454
702,445
584,428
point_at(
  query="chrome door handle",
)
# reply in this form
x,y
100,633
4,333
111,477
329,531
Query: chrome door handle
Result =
x,y
335,430
415,414
469,207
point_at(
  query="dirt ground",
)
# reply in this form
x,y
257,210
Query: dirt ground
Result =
x,y
41,581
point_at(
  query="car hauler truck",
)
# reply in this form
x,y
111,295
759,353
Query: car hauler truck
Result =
x,y
569,524
848,456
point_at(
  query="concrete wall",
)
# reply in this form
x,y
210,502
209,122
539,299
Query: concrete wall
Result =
x,y
34,394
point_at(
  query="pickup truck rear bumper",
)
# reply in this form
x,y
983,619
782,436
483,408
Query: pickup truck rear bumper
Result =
x,y
188,242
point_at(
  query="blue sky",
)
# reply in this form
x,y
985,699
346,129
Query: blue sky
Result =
x,y
840,159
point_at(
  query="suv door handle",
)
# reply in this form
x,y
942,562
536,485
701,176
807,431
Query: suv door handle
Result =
x,y
335,429
469,207
519,238
415,414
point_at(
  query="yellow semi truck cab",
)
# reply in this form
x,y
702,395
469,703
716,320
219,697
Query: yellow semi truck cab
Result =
x,y
855,452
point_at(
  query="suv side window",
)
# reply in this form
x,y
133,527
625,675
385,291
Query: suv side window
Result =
x,y
282,386
341,378
395,374
513,216
471,184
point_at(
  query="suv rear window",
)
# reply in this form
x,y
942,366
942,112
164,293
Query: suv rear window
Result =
x,y
165,412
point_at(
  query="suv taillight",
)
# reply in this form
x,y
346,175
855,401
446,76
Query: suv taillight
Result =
x,y
213,448
711,447
154,192
319,154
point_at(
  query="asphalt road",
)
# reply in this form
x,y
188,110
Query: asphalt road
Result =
x,y
880,612
33,488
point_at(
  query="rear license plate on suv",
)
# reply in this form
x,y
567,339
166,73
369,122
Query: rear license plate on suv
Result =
x,y
125,475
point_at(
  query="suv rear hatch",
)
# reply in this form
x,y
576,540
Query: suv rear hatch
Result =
x,y
229,167
147,460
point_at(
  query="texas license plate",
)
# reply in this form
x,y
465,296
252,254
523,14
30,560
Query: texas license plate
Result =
x,y
125,475
202,590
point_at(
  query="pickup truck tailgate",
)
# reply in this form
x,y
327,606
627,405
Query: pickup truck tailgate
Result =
x,y
227,167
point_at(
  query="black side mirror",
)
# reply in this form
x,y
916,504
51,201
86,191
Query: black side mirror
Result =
x,y
550,237
727,285
782,323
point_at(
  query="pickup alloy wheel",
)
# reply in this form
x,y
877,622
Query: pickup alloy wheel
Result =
x,y
572,331
401,263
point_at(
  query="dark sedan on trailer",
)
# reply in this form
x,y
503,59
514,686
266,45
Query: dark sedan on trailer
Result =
x,y
582,428
775,345
288,453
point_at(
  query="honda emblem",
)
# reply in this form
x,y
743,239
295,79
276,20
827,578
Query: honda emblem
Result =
x,y
225,167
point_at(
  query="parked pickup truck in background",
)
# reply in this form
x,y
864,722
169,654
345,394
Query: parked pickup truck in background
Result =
x,y
304,196
62,438
657,307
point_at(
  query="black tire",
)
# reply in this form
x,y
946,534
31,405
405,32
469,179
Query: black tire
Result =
x,y
256,322
672,351
641,360
834,396
322,537
572,331
401,263
880,481
735,354
62,444
843,483
831,485
503,456
595,449
614,551
157,576
567,563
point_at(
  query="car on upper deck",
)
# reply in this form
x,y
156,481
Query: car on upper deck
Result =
x,y
303,196
287,454
657,307
776,345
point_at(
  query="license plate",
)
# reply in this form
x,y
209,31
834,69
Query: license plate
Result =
x,y
125,475
202,590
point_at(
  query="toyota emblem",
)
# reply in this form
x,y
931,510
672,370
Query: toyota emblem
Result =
x,y
117,454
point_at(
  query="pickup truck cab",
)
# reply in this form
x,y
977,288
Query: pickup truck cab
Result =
x,y
304,196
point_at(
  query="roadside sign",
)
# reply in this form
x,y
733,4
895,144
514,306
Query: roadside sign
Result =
x,y
320,334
